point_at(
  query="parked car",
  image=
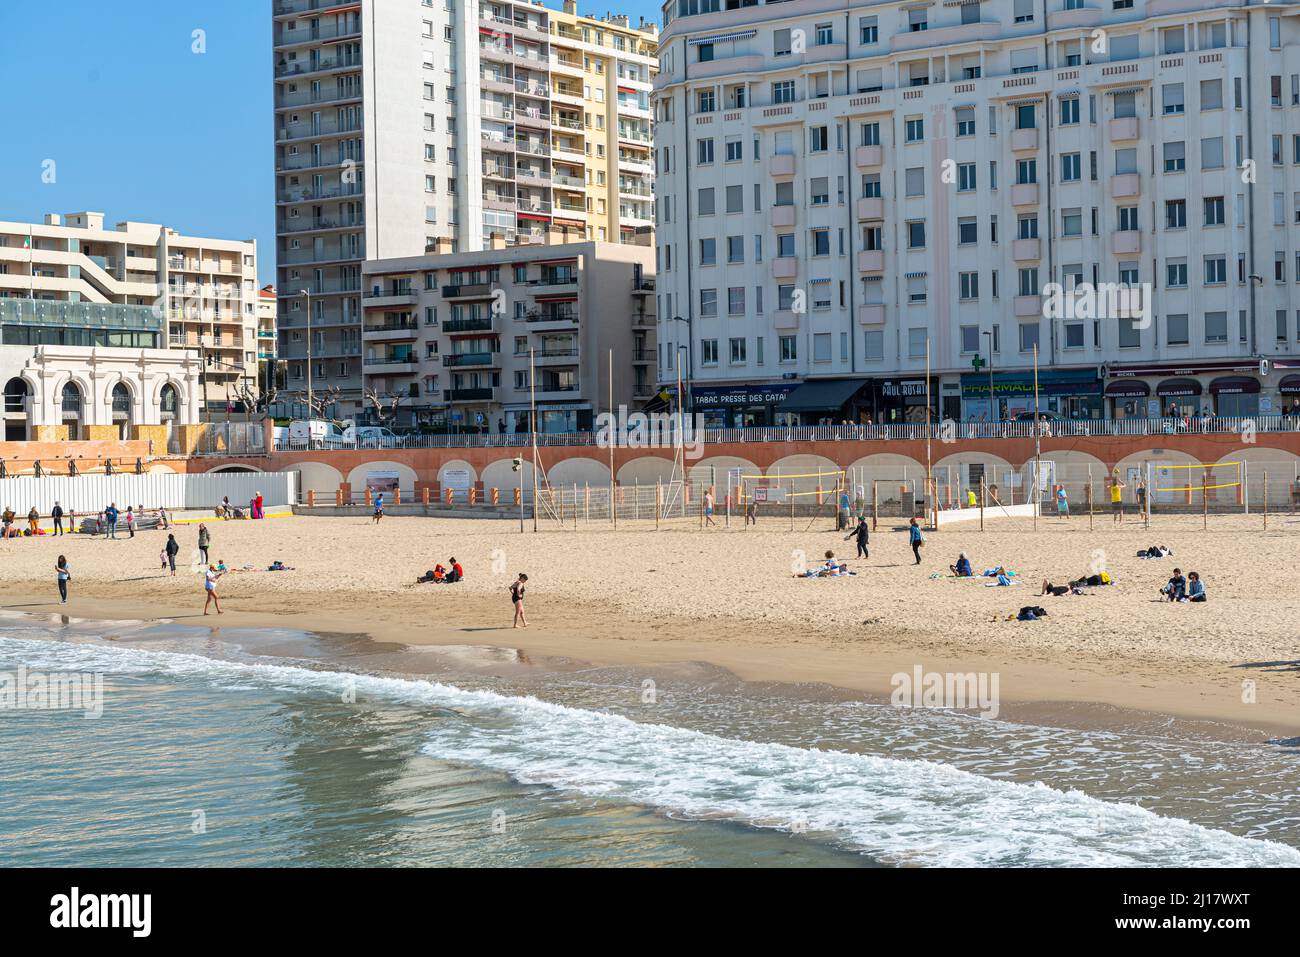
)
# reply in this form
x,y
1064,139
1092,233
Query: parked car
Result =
x,y
377,437
321,434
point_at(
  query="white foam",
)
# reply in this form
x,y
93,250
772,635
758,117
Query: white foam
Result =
x,y
899,811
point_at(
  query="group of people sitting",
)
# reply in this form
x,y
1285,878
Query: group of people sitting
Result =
x,y
443,576
1179,588
830,568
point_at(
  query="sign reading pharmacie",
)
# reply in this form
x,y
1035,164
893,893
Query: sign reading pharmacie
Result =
x,y
738,395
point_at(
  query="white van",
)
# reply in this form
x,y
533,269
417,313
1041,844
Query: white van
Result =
x,y
321,434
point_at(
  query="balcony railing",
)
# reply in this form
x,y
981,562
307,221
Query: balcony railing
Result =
x,y
469,359
479,324
467,395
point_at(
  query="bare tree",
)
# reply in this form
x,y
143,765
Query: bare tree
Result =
x,y
324,399
384,404
259,401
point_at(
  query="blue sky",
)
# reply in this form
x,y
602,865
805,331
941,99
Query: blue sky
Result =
x,y
141,127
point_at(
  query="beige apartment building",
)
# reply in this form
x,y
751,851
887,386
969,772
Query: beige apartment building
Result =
x,y
411,128
456,335
204,290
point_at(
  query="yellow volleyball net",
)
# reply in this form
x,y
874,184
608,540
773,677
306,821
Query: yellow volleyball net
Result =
x,y
1197,476
792,487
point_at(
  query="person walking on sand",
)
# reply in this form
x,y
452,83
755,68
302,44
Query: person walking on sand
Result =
x,y
130,522
33,520
708,509
751,512
517,599
64,575
1117,497
861,533
917,539
379,507
210,586
56,514
110,521
205,539
172,547
1062,502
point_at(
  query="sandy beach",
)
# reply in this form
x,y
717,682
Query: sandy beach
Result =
x,y
640,597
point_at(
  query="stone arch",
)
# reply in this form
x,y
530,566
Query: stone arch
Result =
x,y
323,479
807,466
406,476
235,468
455,465
500,474
645,470
579,470
1282,467
1139,460
954,476
1072,469
159,467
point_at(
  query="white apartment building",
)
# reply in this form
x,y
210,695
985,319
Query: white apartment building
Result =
x,y
469,341
432,126
840,183
204,290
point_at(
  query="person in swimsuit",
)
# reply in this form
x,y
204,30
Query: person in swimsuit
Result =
x,y
210,586
517,599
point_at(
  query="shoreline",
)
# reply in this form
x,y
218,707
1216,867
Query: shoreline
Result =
x,y
1088,692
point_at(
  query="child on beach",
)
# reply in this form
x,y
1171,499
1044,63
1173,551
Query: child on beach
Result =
x,y
708,509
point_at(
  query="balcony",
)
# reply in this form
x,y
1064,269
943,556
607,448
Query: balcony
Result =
x,y
552,315
1023,250
871,260
1124,128
390,365
1024,139
1024,194
727,66
786,319
475,324
462,359
867,156
871,314
785,267
1125,242
390,331
1029,306
469,290
871,207
1124,184
783,215
468,395
782,164
378,298
553,387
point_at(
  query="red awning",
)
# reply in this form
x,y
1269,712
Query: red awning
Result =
x,y
556,298
544,219
552,262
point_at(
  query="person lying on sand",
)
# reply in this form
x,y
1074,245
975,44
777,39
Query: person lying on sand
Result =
x,y
962,568
996,572
434,575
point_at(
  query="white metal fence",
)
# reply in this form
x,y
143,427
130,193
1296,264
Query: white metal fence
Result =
x,y
174,490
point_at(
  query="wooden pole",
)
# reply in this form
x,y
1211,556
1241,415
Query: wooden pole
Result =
x,y
659,498
875,507
1205,505
1265,509
1091,498
983,492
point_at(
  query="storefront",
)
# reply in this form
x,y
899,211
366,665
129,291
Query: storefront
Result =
x,y
1288,391
1180,396
1128,399
1235,395
1228,388
1069,393
738,406
901,400
825,402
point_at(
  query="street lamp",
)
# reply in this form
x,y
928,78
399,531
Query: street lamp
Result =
x,y
310,413
690,352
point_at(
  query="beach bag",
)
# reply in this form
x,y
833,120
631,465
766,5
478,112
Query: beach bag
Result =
x,y
1105,578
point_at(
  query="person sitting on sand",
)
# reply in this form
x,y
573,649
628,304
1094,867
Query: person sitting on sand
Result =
x,y
1195,588
1176,587
456,574
962,568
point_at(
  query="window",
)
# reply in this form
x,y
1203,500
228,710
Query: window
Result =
x,y
914,182
1130,337
1072,222
970,340
966,115
1025,117
708,302
873,345
708,252
917,20
870,134
789,348
704,201
965,177
1176,273
1028,336
1212,152
735,150
737,350
1070,111
1023,11
1216,270
818,141
1026,171
916,234
709,352
1128,218
1071,168
1212,94
1074,335
1126,161
1213,210
915,129
735,199
1216,327
1172,97
825,34
819,191
967,231
969,285
783,91
735,249
868,30
1029,282
1176,331
1027,226
1175,157
821,242
785,245
704,151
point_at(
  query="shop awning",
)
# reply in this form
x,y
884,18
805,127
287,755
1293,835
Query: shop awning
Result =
x,y
1128,389
825,395
1178,387
1290,385
1234,385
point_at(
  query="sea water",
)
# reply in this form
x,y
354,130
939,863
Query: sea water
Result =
x,y
242,747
